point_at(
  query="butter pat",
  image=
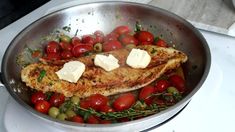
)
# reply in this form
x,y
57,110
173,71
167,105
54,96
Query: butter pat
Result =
x,y
71,71
108,63
138,58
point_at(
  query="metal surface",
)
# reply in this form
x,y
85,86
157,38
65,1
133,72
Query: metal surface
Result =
x,y
105,16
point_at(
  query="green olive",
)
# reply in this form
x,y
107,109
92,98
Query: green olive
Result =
x,y
70,113
98,47
53,112
75,100
172,90
62,116
130,46
65,38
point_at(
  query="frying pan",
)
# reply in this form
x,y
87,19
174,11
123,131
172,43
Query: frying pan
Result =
x,y
105,16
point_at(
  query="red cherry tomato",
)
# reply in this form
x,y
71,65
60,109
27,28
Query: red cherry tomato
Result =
x,y
99,36
37,96
111,36
53,47
161,43
66,54
93,120
145,43
162,85
105,122
145,94
124,102
57,99
122,30
79,49
42,106
85,104
178,82
106,109
111,45
75,41
66,46
99,33
128,39
88,39
144,36
77,119
53,56
97,101
125,119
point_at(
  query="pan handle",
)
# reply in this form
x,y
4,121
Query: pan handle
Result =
x,y
1,82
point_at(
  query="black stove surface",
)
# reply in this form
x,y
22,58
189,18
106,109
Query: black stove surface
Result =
x,y
12,10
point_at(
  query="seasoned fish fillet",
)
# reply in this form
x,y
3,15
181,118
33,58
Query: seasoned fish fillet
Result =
x,y
96,80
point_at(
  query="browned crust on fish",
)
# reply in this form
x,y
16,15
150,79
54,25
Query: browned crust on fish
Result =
x,y
96,80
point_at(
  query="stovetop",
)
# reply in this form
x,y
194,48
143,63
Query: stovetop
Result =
x,y
12,10
211,108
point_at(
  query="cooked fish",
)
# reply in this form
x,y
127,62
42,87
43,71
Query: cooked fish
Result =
x,y
96,80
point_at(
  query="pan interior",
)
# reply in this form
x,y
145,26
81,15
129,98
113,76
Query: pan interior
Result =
x,y
85,19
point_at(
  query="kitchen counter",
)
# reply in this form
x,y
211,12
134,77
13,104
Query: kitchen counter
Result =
x,y
211,109
211,15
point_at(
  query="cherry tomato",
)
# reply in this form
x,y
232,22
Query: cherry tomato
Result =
x,y
77,119
37,96
128,39
99,36
93,120
42,106
99,33
88,39
125,119
105,122
106,109
178,82
124,102
145,94
84,104
97,101
75,41
161,43
111,45
78,50
66,46
145,43
144,36
99,39
162,85
122,30
111,36
53,47
159,102
57,99
66,54
53,56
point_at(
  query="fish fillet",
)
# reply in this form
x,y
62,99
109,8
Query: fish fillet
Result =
x,y
96,80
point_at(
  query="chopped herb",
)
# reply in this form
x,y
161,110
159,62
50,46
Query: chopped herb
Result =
x,y
137,26
87,53
156,39
48,95
41,75
153,51
67,28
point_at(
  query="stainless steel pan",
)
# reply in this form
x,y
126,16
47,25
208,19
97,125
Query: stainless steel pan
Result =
x,y
105,16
